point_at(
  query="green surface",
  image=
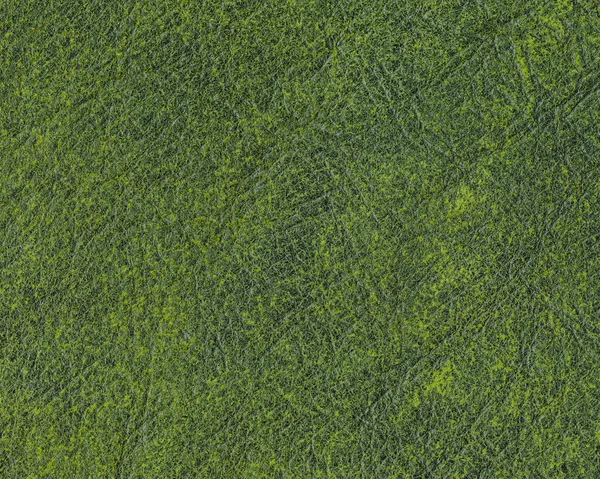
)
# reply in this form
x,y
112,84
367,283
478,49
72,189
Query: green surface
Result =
x,y
297,239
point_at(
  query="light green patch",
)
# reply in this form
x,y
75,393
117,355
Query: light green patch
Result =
x,y
464,202
525,73
442,380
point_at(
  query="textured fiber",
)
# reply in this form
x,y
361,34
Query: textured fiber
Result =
x,y
299,239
